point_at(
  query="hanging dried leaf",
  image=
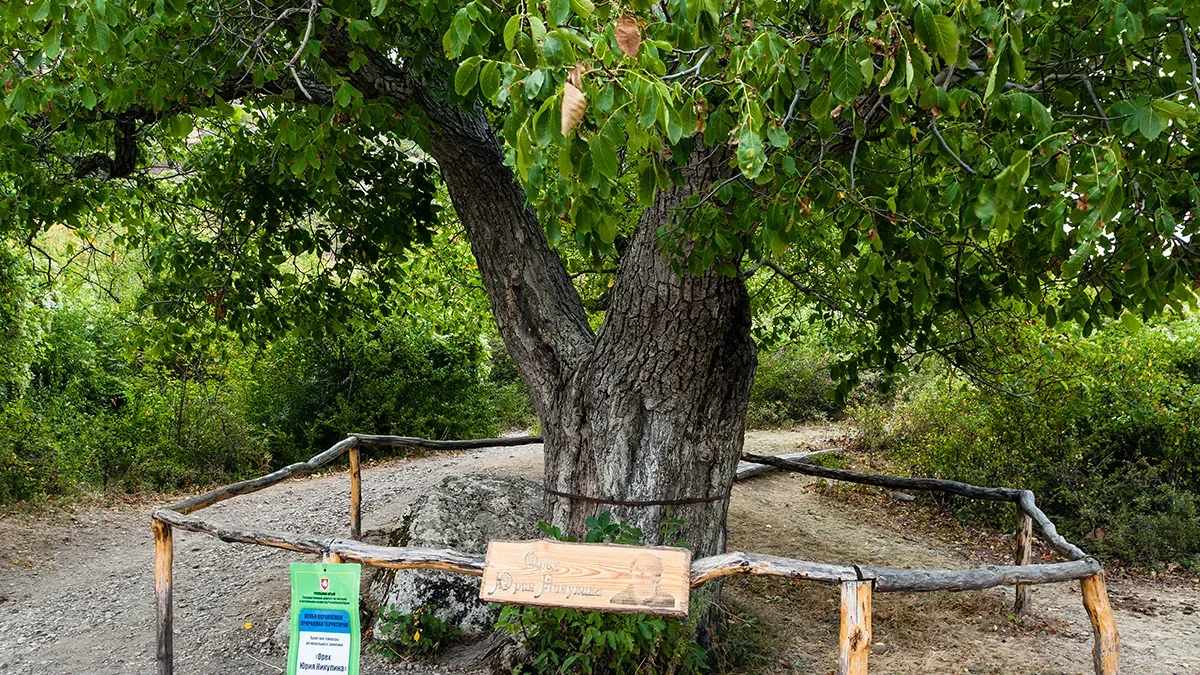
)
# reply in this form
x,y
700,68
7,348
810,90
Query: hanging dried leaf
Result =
x,y
629,35
574,104
576,76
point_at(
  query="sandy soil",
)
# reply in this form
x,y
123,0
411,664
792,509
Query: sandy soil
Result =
x,y
795,516
76,590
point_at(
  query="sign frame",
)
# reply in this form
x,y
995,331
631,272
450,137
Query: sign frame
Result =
x,y
325,600
611,578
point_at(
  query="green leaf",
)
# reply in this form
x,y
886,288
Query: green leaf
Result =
x,y
459,33
180,126
99,36
604,155
537,28
650,112
41,12
583,8
344,95
489,79
560,11
750,154
52,44
778,137
1081,255
647,185
87,97
1149,123
510,31
533,83
464,79
938,33
607,229
1170,109
993,76
377,7
845,76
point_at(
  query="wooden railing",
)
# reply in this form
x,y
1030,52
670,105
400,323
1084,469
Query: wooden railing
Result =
x,y
857,582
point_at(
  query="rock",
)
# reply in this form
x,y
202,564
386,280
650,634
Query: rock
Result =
x,y
464,513
901,496
879,648
281,635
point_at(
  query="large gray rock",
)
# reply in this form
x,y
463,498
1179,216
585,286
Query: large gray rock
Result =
x,y
464,514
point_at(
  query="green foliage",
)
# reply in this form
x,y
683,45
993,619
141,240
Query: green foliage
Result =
x,y
308,393
511,403
87,404
420,634
948,165
791,385
1111,444
964,171
572,641
16,323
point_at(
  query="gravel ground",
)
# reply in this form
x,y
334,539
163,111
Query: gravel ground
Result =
x,y
77,591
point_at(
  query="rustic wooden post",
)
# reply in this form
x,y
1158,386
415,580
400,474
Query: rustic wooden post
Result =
x,y
854,637
163,554
1024,555
333,557
1106,652
355,495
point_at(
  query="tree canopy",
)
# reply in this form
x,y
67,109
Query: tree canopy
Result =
x,y
925,170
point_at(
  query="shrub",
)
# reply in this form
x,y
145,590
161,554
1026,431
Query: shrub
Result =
x,y
791,385
511,403
1113,451
420,634
573,641
306,394
31,461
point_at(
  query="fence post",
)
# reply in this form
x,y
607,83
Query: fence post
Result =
x,y
163,555
1024,555
854,637
1106,650
355,495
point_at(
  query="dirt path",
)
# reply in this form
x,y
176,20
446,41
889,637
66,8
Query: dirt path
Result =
x,y
79,597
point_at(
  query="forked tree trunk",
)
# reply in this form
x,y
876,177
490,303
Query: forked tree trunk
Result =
x,y
657,411
649,409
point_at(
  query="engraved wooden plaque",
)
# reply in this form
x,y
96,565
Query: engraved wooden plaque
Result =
x,y
598,577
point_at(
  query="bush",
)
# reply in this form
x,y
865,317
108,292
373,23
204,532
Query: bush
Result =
x,y
572,641
420,634
306,394
1113,451
791,385
511,403
31,464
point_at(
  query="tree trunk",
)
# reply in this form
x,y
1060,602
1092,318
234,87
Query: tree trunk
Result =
x,y
651,408
657,413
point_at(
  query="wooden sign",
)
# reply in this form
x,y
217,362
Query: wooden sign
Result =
x,y
599,577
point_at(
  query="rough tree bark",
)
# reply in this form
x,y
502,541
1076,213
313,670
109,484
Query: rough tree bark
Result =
x,y
650,408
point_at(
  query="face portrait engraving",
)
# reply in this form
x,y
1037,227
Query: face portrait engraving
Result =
x,y
645,573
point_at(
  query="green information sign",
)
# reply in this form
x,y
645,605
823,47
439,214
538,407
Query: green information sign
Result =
x,y
325,631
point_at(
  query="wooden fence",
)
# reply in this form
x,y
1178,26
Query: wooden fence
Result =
x,y
857,582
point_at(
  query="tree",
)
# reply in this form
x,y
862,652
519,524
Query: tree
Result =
x,y
924,172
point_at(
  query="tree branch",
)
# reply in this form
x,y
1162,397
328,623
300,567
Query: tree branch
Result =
x,y
1187,45
945,146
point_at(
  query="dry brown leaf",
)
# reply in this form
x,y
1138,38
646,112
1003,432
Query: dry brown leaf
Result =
x,y
576,76
629,35
574,104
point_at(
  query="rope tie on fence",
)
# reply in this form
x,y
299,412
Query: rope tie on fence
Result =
x,y
638,502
